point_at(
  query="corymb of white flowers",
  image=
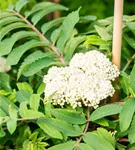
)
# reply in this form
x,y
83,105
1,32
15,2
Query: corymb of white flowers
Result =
x,y
85,82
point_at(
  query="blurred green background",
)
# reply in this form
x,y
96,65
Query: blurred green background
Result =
x,y
99,8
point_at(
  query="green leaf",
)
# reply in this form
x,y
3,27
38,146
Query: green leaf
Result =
x,y
2,133
125,82
120,146
29,114
55,35
22,96
2,113
41,88
129,40
131,25
5,14
52,132
40,14
34,101
103,33
83,146
132,79
39,6
4,103
131,134
25,87
69,116
11,27
67,28
46,26
64,146
14,57
20,4
12,113
106,110
9,20
72,46
96,142
102,122
104,134
4,82
31,59
96,40
8,43
38,65
125,116
63,127
11,125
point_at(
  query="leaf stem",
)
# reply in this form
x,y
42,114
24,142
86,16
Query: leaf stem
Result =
x,y
43,38
128,62
85,130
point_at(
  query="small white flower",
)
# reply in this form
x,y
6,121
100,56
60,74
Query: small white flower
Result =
x,y
86,81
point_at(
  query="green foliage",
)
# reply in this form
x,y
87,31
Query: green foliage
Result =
x,y
32,44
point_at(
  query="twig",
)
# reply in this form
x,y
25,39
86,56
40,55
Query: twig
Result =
x,y
40,35
128,62
21,123
85,130
123,140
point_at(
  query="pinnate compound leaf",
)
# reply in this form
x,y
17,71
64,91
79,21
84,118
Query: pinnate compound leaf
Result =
x,y
46,26
67,28
132,79
64,146
40,14
69,116
52,132
7,44
14,57
83,146
32,58
34,101
96,142
20,4
106,110
38,65
126,114
131,135
11,27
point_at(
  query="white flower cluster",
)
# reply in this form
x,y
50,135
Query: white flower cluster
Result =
x,y
3,66
86,81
